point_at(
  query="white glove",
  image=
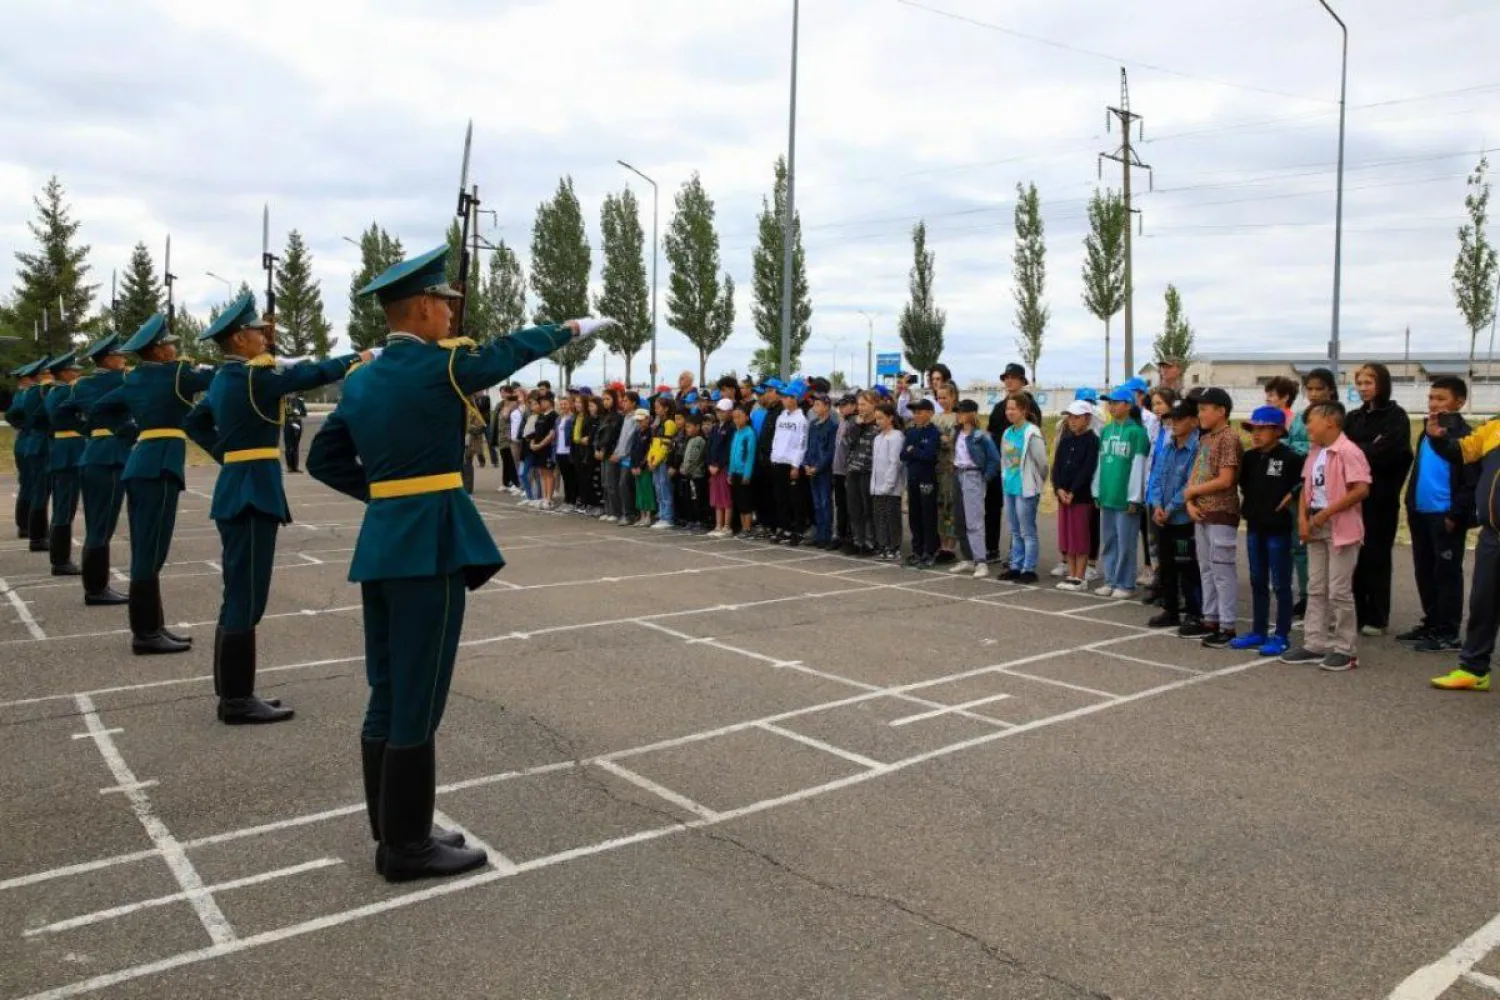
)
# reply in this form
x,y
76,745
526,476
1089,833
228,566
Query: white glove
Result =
x,y
589,327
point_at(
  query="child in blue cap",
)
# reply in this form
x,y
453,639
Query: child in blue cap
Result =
x,y
1270,479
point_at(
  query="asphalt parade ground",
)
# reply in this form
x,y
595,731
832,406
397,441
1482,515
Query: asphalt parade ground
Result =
x,y
719,769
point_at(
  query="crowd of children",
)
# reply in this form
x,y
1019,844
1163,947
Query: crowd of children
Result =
x,y
793,464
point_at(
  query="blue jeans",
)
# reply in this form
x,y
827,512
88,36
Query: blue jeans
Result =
x,y
822,502
526,485
1270,569
1020,514
664,500
1119,533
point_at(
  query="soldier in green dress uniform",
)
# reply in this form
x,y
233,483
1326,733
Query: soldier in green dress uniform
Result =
x,y
37,447
396,442
239,423
63,459
109,437
15,415
157,395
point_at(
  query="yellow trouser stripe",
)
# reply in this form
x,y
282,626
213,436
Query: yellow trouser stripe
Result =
x,y
66,434
101,433
389,488
163,432
252,455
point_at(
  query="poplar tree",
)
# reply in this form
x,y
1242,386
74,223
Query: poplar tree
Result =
x,y
699,302
769,260
1029,272
922,322
560,264
626,296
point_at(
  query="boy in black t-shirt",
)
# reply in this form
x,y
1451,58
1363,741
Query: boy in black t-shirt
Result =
x,y
1270,476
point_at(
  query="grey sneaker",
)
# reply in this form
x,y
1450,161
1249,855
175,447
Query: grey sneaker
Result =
x,y
1302,655
1336,663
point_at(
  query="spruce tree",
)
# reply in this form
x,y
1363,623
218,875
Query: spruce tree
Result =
x,y
625,296
560,264
140,292
56,268
922,322
698,304
1175,342
301,329
769,257
378,250
506,290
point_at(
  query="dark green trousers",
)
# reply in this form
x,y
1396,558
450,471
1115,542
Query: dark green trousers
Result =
x,y
249,550
153,518
23,491
34,481
411,640
103,493
64,484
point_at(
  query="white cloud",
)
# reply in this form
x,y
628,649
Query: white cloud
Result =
x,y
185,117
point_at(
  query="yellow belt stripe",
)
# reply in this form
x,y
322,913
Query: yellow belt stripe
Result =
x,y
390,488
66,434
252,455
101,432
163,432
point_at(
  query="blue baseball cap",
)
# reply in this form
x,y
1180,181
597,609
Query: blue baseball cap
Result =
x,y
1266,416
1086,394
1137,384
1121,394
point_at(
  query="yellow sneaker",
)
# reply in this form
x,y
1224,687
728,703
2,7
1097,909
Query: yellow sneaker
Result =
x,y
1462,680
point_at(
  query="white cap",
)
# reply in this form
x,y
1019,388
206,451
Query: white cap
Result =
x,y
1080,408
725,405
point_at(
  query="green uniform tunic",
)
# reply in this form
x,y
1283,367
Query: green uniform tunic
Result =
x,y
109,438
157,396
238,422
15,415
65,454
396,441
34,454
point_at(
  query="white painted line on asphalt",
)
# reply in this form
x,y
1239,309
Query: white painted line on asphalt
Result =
x,y
497,861
127,909
213,566
907,720
94,736
120,575
1482,979
1149,663
188,879
199,493
83,868
309,558
1432,981
792,734
659,790
133,787
22,611
485,878
1057,683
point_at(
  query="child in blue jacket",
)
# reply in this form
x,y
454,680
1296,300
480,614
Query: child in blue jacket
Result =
x,y
818,464
742,468
923,441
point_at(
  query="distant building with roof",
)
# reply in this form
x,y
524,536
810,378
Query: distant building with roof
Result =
x,y
1257,369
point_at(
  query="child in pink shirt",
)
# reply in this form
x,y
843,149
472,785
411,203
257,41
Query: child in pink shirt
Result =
x,y
1335,481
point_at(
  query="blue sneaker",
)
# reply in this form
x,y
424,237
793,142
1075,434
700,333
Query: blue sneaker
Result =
x,y
1252,641
1275,646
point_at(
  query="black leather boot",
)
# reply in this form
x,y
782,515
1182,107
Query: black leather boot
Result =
x,y
23,516
96,588
161,618
37,531
235,676
372,759
60,546
147,636
408,786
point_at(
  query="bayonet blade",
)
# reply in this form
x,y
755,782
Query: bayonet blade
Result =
x,y
265,231
463,174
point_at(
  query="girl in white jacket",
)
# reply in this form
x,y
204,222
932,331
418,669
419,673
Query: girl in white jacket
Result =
x,y
887,483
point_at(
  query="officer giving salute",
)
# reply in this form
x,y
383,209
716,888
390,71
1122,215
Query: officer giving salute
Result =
x,y
239,423
396,441
157,395
109,437
63,458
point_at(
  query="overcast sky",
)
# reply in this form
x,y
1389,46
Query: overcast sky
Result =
x,y
184,117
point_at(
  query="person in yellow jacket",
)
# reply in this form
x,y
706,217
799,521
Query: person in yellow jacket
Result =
x,y
663,430
1480,447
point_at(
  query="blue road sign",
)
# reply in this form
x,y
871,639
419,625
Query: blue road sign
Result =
x,y
887,364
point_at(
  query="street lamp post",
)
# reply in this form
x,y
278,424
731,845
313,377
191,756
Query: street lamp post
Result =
x,y
791,213
869,349
654,219
834,354
1338,222
228,285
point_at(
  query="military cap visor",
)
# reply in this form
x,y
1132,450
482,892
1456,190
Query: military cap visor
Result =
x,y
103,347
424,274
153,331
64,362
238,315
